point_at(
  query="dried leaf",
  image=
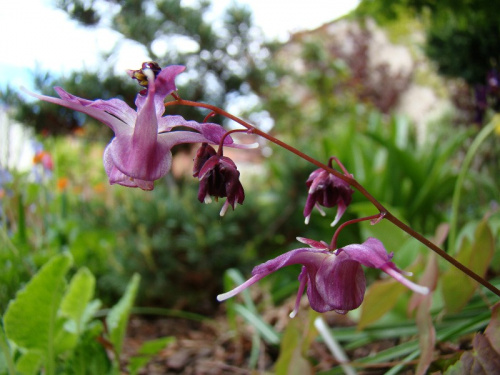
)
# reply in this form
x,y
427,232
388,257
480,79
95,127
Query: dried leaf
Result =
x,y
492,332
481,360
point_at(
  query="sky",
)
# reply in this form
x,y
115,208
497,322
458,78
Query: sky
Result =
x,y
34,35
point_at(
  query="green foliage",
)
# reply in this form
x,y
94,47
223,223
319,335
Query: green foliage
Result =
x,y
297,339
463,43
458,288
380,298
50,326
31,320
116,321
147,351
249,313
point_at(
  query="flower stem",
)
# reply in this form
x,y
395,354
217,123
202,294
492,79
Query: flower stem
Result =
x,y
221,143
333,244
351,181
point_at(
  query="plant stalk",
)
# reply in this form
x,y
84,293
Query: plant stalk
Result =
x,y
350,180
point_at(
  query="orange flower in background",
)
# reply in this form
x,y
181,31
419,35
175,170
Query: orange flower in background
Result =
x,y
44,158
62,183
99,188
79,132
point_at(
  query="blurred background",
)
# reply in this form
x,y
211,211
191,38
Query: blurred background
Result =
x,y
397,90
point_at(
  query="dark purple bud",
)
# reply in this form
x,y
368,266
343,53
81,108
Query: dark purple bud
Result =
x,y
327,190
204,153
219,177
493,81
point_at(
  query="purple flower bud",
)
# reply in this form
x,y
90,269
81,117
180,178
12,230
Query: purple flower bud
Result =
x,y
218,177
335,281
327,190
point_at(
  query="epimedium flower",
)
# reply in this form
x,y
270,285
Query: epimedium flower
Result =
x,y
219,177
327,190
335,280
140,152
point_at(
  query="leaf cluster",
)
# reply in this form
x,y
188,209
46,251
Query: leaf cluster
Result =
x,y
50,326
462,36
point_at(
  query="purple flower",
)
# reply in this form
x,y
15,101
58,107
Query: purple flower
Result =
x,y
335,281
327,190
218,177
140,152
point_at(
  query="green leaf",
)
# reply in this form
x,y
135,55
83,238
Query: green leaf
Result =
x,y
29,363
147,351
31,318
291,361
6,360
118,315
391,236
457,287
90,357
76,299
254,319
380,298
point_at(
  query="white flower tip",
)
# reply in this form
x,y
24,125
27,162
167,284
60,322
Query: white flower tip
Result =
x,y
149,73
251,145
224,208
421,289
221,297
323,213
306,221
207,199
227,295
334,222
293,314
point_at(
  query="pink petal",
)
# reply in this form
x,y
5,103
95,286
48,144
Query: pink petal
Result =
x,y
84,106
314,244
339,285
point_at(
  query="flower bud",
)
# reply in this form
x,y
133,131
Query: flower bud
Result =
x,y
218,177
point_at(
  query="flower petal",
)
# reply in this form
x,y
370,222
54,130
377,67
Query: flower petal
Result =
x,y
370,253
339,285
86,106
409,284
240,288
314,244
165,85
304,256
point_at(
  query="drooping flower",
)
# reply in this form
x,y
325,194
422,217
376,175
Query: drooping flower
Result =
x,y
140,152
327,190
219,177
335,280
